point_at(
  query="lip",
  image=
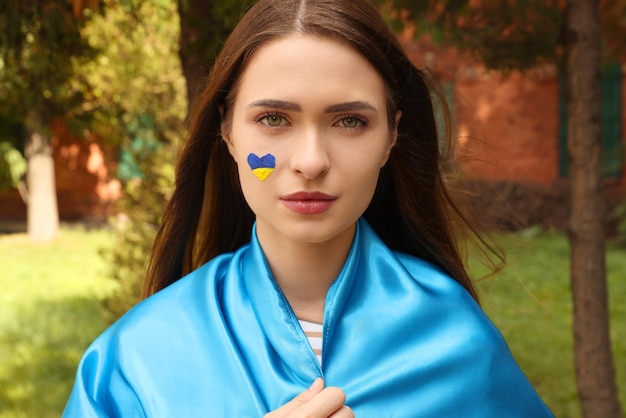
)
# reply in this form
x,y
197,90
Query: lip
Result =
x,y
308,203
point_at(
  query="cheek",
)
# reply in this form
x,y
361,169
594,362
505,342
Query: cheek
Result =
x,y
361,176
254,192
366,162
262,165
256,175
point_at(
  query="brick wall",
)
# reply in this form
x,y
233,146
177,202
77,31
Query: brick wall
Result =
x,y
85,178
507,127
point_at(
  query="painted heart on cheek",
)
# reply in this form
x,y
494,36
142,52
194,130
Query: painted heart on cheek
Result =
x,y
263,166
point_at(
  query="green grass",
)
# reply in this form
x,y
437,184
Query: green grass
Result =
x,y
530,301
50,311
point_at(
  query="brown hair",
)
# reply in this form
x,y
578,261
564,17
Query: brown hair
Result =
x,y
411,210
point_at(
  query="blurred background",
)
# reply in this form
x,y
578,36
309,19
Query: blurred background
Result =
x,y
93,100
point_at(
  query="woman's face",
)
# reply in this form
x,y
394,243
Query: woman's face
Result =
x,y
309,134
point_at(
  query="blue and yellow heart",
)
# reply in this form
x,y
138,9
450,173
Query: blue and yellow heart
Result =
x,y
263,166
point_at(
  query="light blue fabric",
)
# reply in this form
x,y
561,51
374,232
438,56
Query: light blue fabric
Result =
x,y
401,338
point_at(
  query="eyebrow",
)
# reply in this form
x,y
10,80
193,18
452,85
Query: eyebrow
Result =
x,y
276,104
339,107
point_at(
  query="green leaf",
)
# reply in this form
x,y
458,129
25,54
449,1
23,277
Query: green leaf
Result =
x,y
12,166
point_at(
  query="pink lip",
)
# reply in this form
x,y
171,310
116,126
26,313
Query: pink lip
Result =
x,y
308,203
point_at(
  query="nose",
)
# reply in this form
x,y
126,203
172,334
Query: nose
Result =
x,y
309,157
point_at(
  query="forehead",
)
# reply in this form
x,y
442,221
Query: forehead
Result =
x,y
302,67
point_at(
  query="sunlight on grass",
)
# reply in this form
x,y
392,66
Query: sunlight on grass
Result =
x,y
50,312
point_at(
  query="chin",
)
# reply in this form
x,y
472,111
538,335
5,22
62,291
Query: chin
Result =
x,y
312,232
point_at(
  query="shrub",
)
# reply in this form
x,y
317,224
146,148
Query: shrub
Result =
x,y
139,105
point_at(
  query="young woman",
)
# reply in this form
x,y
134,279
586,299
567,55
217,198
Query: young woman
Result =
x,y
309,196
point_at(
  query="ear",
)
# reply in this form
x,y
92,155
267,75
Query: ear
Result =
x,y
225,130
394,134
393,137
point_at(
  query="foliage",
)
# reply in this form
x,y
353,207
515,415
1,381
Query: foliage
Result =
x,y
223,15
204,28
503,35
140,211
39,39
135,83
138,103
12,163
12,166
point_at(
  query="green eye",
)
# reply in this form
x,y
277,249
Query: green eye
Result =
x,y
350,122
273,120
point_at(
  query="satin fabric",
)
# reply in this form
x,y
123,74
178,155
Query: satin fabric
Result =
x,y
401,338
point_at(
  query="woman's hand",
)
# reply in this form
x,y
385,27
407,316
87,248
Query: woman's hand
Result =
x,y
315,402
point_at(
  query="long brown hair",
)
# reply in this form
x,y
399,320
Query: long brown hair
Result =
x,y
411,210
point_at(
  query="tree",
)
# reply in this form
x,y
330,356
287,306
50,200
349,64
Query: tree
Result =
x,y
189,39
195,34
592,346
518,35
138,104
39,40
204,26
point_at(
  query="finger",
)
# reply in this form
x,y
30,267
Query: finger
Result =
x,y
303,397
325,404
344,412
317,386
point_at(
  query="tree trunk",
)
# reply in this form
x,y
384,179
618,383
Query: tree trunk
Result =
x,y
42,211
197,24
204,26
595,373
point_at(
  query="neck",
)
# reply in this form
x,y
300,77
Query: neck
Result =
x,y
305,271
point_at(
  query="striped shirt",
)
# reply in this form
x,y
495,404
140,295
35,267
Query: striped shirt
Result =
x,y
313,332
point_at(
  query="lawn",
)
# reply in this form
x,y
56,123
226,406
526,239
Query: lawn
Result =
x,y
50,311
531,303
